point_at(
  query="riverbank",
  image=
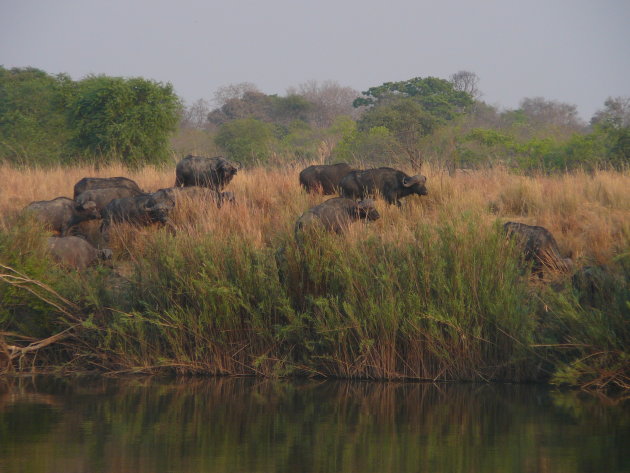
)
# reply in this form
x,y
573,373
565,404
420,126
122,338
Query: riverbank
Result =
x,y
432,290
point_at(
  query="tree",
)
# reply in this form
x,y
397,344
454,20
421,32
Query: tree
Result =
x,y
246,140
329,100
466,81
33,124
437,96
196,116
126,119
542,112
412,110
233,91
406,120
615,114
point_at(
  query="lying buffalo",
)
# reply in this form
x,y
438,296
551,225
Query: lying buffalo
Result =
x,y
195,194
57,214
215,173
323,177
92,201
539,247
143,209
336,215
74,252
88,183
390,183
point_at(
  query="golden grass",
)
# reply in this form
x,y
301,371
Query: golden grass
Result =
x,y
589,214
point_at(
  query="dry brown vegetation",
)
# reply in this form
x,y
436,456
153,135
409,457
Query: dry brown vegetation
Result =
x,y
589,214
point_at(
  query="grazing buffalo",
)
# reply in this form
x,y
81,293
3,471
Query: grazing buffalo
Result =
x,y
390,183
143,209
215,173
539,246
56,214
336,215
74,252
324,178
88,183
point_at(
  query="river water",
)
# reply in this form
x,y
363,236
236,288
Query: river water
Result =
x,y
251,425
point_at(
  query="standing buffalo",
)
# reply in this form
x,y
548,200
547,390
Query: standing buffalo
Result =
x,y
539,246
215,173
336,215
324,178
88,183
57,214
74,252
390,183
143,209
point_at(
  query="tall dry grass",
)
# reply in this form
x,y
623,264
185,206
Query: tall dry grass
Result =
x,y
588,213
432,290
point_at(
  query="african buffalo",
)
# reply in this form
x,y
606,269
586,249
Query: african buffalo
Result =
x,y
323,177
143,209
336,215
75,252
88,183
539,246
92,201
56,214
388,182
215,173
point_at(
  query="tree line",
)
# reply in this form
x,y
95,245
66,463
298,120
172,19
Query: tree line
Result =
x,y
48,119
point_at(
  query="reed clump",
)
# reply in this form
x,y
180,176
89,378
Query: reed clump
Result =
x,y
432,290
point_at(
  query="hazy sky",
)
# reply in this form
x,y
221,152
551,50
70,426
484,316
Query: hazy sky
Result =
x,y
573,51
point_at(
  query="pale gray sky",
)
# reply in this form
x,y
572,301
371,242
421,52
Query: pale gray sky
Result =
x,y
573,51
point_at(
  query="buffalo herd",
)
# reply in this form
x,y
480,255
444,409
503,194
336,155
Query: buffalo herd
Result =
x,y
119,199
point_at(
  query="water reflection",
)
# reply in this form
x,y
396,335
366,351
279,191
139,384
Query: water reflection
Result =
x,y
250,425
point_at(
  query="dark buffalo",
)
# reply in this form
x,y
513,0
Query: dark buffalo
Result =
x,y
390,183
143,209
214,173
74,252
539,247
92,201
88,183
57,213
336,215
323,177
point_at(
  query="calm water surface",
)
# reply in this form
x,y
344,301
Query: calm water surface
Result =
x,y
249,425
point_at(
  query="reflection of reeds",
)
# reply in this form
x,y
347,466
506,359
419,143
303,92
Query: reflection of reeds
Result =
x,y
248,424
432,290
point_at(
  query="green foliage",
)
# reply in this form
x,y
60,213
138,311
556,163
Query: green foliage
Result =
x,y
486,146
591,318
452,304
376,146
23,250
247,140
126,119
437,96
51,119
412,110
32,115
290,109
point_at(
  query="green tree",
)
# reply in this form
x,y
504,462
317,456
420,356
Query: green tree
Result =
x,y
126,119
247,140
437,96
406,120
33,124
